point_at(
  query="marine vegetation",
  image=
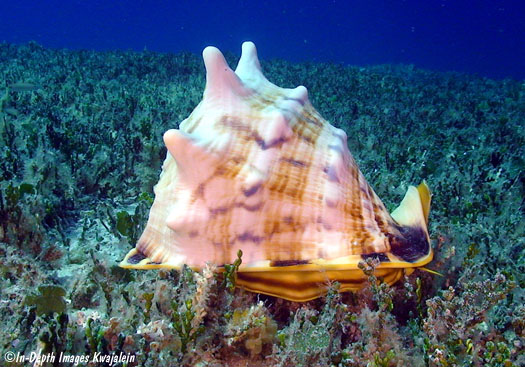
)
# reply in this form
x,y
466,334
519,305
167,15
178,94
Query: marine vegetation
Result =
x,y
81,149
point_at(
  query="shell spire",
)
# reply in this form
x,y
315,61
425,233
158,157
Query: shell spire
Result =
x,y
249,68
256,168
221,81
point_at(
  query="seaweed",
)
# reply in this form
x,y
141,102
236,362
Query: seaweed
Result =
x,y
48,300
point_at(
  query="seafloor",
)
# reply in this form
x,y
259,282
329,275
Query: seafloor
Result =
x,y
81,148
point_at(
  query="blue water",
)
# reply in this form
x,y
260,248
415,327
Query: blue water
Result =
x,y
486,37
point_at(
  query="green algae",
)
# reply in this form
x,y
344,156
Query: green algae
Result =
x,y
48,300
23,87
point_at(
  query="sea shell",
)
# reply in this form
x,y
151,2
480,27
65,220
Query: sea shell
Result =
x,y
256,168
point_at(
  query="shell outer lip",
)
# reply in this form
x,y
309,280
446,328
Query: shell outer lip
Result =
x,y
320,265
335,264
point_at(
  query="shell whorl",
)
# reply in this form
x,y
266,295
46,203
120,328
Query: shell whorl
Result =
x,y
255,167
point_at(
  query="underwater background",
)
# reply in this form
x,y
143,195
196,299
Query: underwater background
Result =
x,y
426,90
486,37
